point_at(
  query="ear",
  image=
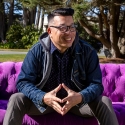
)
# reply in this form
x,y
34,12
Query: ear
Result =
x,y
49,30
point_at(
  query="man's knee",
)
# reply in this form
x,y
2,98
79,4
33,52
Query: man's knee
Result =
x,y
101,101
19,102
16,96
107,101
19,99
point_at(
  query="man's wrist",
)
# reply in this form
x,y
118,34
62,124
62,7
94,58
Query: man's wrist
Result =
x,y
82,100
43,103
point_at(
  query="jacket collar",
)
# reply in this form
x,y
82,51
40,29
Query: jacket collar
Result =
x,y
45,41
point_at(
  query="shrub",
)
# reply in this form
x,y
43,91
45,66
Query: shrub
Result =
x,y
19,37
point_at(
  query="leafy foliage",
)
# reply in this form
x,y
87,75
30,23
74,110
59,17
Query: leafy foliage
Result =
x,y
82,12
109,18
92,41
80,9
21,37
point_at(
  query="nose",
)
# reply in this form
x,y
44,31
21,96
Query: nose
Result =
x,y
68,29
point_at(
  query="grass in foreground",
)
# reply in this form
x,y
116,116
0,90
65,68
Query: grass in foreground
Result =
x,y
16,57
17,50
12,57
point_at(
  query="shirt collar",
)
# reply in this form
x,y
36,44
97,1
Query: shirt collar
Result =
x,y
54,48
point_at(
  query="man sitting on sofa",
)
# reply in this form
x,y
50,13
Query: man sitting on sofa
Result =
x,y
60,73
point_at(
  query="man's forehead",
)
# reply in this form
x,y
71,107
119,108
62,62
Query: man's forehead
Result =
x,y
61,17
62,20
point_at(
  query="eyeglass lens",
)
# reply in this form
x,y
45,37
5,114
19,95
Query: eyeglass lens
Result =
x,y
66,28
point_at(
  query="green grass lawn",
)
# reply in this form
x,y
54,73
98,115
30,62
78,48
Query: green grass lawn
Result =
x,y
12,57
17,50
15,57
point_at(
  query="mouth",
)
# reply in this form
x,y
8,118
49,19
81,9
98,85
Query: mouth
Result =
x,y
68,39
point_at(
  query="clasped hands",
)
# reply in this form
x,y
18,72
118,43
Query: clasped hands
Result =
x,y
73,98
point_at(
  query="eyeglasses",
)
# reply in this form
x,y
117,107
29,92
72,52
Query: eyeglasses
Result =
x,y
64,29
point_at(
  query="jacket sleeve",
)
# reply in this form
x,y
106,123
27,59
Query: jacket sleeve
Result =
x,y
28,78
93,78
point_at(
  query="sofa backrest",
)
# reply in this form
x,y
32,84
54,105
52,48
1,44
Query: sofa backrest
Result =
x,y
113,79
8,76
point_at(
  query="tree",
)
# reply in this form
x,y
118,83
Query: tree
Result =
x,y
30,7
42,7
41,18
11,13
37,16
2,21
29,12
109,16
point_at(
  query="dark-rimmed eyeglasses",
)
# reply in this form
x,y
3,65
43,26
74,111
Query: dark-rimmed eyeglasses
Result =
x,y
64,29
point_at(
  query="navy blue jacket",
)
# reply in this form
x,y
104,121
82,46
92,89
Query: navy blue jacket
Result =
x,y
36,68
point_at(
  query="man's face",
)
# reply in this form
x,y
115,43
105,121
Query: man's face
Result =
x,y
62,40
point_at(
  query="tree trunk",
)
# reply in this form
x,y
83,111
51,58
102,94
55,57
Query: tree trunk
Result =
x,y
25,16
41,19
37,16
113,32
32,16
2,21
11,13
43,11
121,42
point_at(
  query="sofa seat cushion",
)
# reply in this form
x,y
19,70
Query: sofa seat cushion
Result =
x,y
119,108
68,119
56,119
49,119
3,104
2,113
53,119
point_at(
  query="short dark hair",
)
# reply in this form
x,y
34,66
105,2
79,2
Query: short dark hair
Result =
x,y
60,12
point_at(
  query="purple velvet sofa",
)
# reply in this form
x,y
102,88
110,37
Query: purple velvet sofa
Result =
x,y
114,88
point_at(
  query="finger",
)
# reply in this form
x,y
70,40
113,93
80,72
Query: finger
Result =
x,y
65,87
57,88
57,99
65,99
63,113
66,106
57,107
